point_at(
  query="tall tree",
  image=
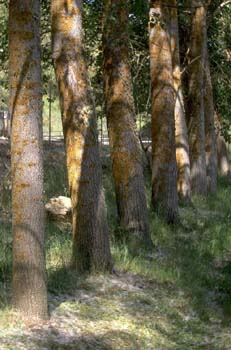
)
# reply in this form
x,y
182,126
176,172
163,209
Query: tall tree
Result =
x,y
164,169
210,138
195,105
223,162
29,276
90,232
181,131
120,111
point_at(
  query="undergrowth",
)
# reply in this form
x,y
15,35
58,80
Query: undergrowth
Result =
x,y
187,276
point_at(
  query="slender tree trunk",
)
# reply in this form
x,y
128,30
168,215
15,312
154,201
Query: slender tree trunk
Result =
x,y
164,168
120,110
29,275
210,137
181,131
90,232
222,151
195,107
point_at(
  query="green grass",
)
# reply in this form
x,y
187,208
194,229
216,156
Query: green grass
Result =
x,y
176,297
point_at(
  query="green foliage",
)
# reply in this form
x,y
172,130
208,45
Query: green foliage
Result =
x,y
219,47
220,54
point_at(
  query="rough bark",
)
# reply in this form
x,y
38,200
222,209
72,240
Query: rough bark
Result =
x,y
120,111
223,162
29,275
164,168
195,106
210,137
181,131
90,232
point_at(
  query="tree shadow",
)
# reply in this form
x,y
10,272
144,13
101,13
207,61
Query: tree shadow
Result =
x,y
54,338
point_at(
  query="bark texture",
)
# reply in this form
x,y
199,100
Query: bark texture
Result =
x,y
120,111
195,107
90,232
210,137
164,168
181,131
29,275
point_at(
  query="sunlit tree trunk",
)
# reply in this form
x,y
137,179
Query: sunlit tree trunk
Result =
x,y
164,168
90,232
124,143
29,275
210,139
195,107
181,131
223,162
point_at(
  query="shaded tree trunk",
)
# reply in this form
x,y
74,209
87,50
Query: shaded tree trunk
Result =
x,y
164,168
223,162
29,275
181,131
90,232
210,138
120,110
195,106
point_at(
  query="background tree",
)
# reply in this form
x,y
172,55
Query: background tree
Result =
x,y
210,137
90,231
120,111
164,169
195,97
29,276
223,161
181,131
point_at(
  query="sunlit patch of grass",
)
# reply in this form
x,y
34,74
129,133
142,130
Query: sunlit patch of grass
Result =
x,y
9,320
146,264
58,245
58,255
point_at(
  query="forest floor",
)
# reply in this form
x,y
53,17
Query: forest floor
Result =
x,y
177,297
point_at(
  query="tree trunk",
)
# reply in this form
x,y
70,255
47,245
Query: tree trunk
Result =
x,y
90,232
195,107
120,110
222,151
164,168
181,131
29,275
210,138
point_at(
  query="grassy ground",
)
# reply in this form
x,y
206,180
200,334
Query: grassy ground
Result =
x,y
176,298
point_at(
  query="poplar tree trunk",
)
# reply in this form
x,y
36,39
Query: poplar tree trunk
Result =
x,y
181,131
164,168
223,162
120,111
195,107
90,231
29,275
210,137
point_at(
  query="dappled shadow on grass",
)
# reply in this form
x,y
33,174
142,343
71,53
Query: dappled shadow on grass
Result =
x,y
223,284
52,338
196,250
178,293
175,298
203,244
